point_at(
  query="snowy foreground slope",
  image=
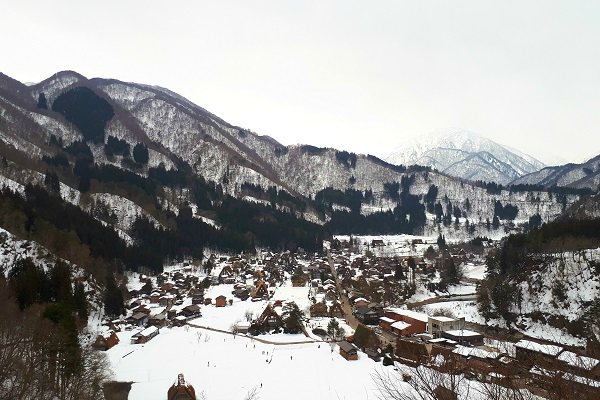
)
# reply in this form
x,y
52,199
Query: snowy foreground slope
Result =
x,y
224,367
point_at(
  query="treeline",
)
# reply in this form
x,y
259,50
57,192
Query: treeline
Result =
x,y
408,216
69,232
350,198
497,188
86,110
274,196
557,236
253,225
41,316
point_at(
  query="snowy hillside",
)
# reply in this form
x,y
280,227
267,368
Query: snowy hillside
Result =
x,y
177,132
559,294
585,175
466,155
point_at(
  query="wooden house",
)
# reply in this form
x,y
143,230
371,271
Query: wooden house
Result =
x,y
385,323
191,311
269,319
399,328
167,287
336,310
220,301
181,390
348,350
260,290
318,310
331,295
154,297
138,319
159,320
417,321
145,336
166,300
360,303
530,353
366,315
106,340
411,351
141,309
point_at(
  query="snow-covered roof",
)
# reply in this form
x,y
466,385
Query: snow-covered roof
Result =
x,y
441,318
386,319
400,325
474,352
548,349
148,331
408,313
360,299
578,361
462,333
437,340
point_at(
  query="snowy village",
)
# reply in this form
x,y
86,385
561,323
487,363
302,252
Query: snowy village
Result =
x,y
368,311
300,200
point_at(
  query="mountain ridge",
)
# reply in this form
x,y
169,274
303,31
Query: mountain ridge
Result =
x,y
181,136
452,152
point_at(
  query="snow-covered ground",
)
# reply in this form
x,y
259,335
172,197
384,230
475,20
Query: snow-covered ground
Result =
x,y
474,271
467,309
393,245
223,366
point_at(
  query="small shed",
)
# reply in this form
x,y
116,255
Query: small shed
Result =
x,y
348,350
220,301
106,340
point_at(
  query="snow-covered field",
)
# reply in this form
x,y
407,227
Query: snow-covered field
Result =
x,y
226,367
474,271
467,309
393,245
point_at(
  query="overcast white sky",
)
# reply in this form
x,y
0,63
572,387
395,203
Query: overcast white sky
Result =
x,y
357,75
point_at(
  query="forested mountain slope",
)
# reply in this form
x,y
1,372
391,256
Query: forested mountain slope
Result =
x,y
156,167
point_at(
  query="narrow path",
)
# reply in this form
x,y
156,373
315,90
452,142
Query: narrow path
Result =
x,y
251,337
346,307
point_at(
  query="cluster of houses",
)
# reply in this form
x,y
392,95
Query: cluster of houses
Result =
x,y
542,368
178,296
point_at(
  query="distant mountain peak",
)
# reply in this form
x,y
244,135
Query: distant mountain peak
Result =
x,y
467,155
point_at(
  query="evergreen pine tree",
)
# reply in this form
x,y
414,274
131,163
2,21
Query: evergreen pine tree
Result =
x,y
42,102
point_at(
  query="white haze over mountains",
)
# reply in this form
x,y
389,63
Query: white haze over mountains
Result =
x,y
466,155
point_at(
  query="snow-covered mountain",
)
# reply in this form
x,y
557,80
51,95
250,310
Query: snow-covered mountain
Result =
x,y
181,134
466,155
584,175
